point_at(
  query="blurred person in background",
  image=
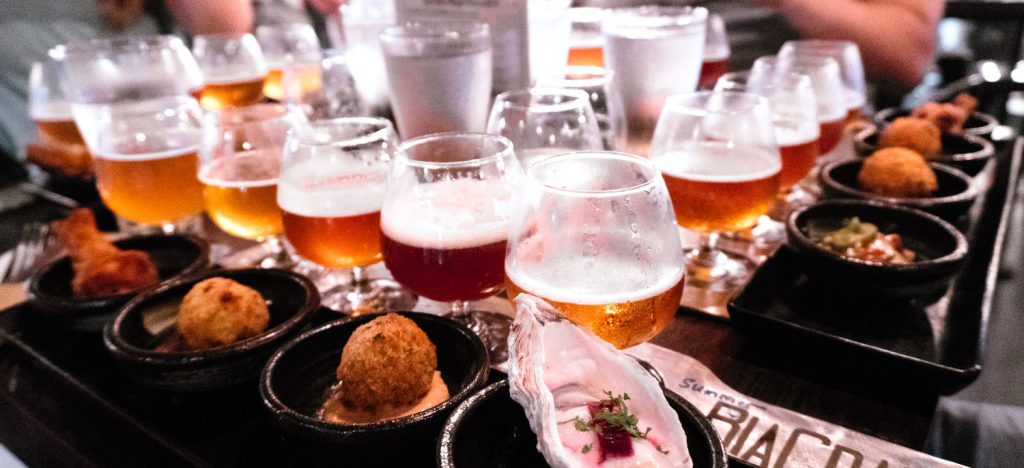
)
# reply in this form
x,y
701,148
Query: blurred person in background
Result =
x,y
896,37
29,28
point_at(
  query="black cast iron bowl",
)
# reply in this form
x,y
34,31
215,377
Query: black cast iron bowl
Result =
x,y
490,429
298,377
149,319
978,123
49,289
967,153
955,195
941,249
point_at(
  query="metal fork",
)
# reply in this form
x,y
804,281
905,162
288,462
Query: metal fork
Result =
x,y
35,243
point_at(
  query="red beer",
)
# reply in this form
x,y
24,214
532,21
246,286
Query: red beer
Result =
x,y
712,70
831,133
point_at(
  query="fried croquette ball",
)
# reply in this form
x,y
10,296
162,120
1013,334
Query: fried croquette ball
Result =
x,y
388,361
913,133
219,311
897,172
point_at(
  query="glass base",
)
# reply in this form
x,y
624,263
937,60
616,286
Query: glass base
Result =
x,y
716,270
190,225
492,328
369,297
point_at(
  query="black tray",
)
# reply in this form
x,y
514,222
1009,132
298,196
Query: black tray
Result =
x,y
931,344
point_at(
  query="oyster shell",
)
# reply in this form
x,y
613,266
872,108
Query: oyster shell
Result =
x,y
556,369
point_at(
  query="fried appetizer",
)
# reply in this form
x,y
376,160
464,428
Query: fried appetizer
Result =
x,y
100,267
219,311
919,135
897,172
386,362
949,117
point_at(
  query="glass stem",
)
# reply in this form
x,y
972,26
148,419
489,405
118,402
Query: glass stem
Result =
x,y
359,277
460,309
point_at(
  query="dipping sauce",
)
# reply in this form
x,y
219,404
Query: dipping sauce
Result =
x,y
334,410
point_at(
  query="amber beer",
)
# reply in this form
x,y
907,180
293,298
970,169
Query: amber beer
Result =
x,y
309,76
332,220
150,188
589,55
62,131
622,319
798,158
831,132
241,194
217,95
712,194
444,242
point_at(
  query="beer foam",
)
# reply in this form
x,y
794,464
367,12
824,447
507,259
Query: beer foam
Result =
x,y
227,77
51,112
257,170
139,157
706,163
316,189
605,288
452,214
795,134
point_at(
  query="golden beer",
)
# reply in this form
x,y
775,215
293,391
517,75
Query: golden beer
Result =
x,y
628,320
309,76
62,131
150,188
336,241
711,193
219,95
241,194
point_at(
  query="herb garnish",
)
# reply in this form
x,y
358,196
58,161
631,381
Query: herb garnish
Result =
x,y
613,414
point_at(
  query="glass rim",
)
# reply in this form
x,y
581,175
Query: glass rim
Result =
x,y
245,114
110,46
508,99
289,26
444,30
304,134
680,103
506,151
223,37
654,16
536,165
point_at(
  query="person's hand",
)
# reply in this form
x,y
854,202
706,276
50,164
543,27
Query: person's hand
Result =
x,y
119,15
327,7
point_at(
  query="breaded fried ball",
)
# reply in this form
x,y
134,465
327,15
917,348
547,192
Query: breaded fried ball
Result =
x,y
219,311
913,133
388,361
897,172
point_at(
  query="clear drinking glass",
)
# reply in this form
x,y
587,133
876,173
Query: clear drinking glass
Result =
x,y
716,52
574,241
444,224
598,83
828,91
363,22
57,133
333,177
718,155
287,45
851,67
586,45
439,74
548,24
129,68
545,121
233,67
239,172
325,90
134,101
654,52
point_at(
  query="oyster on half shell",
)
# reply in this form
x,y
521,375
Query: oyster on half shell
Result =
x,y
558,372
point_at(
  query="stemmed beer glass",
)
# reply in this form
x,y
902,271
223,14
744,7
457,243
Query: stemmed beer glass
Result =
x,y
593,234
545,121
718,155
241,164
233,67
330,191
444,224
